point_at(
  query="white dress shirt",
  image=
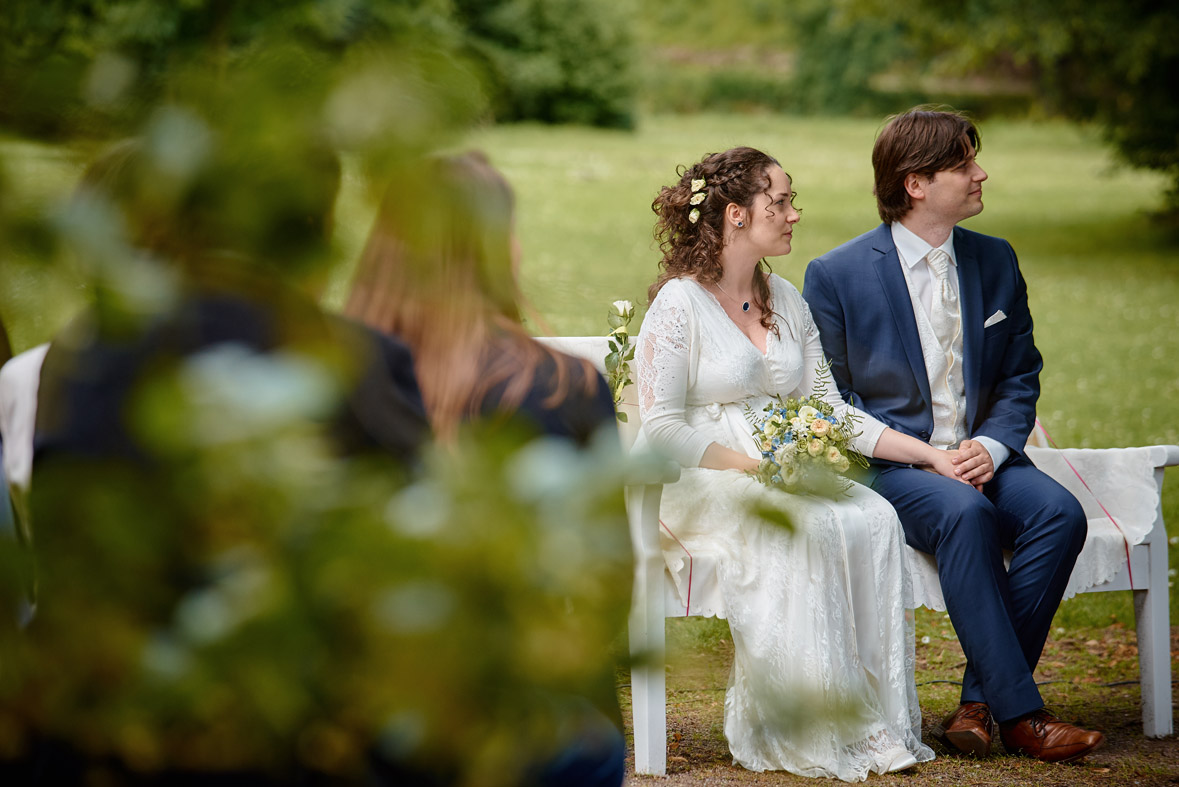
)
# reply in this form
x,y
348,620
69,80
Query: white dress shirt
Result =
x,y
912,251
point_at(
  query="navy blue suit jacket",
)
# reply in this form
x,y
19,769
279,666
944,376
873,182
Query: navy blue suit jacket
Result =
x,y
87,384
861,305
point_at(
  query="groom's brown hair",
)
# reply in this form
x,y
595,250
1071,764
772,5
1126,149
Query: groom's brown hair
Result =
x,y
923,141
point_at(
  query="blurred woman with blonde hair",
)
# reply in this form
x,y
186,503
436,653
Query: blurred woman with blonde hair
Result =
x,y
438,271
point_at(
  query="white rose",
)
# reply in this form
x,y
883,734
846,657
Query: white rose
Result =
x,y
697,198
697,184
807,413
624,309
833,455
815,447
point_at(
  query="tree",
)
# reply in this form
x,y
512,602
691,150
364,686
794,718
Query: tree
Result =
x,y
70,67
1107,61
95,67
559,61
838,54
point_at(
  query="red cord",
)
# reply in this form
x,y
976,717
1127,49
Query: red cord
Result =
x,y
1125,541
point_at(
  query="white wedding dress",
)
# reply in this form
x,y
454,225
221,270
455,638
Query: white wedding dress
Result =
x,y
822,680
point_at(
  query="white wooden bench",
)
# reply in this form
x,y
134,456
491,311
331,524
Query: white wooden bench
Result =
x,y
655,597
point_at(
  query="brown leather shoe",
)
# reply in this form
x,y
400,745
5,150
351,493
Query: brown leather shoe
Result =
x,y
1047,738
968,729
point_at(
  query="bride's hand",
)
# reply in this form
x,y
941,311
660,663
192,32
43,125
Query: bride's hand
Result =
x,y
719,457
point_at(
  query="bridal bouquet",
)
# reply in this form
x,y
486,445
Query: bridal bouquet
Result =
x,y
804,447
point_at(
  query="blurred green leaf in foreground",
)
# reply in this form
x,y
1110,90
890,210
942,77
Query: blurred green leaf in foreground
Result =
x,y
237,595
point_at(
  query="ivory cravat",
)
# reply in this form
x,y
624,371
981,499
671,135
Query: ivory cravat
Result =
x,y
944,314
945,373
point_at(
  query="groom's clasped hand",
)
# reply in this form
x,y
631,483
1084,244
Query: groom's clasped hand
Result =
x,y
973,463
969,463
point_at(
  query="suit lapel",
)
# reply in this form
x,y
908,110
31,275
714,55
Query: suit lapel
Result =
x,y
970,301
896,292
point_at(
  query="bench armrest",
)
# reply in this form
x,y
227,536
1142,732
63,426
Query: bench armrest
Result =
x,y
1164,455
646,471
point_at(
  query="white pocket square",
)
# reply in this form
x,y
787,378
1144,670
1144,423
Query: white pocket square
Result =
x,y
995,319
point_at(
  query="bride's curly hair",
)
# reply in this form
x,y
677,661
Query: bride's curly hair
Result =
x,y
693,248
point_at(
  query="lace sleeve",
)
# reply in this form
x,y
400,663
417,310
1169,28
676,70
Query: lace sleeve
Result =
x,y
665,363
812,359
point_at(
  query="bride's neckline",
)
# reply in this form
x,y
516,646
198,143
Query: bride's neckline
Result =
x,y
764,352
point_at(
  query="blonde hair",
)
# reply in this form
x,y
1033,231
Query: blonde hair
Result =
x,y
437,272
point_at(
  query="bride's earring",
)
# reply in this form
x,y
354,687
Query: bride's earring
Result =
x,y
740,224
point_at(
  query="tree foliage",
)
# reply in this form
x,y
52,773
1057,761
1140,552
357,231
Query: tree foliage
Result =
x,y
838,54
562,61
70,67
100,66
1108,61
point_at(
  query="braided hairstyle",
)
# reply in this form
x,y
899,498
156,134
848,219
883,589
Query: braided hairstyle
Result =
x,y
693,248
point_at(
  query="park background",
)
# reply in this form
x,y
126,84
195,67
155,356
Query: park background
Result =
x,y
589,107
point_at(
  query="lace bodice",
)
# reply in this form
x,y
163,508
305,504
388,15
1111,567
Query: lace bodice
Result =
x,y
692,356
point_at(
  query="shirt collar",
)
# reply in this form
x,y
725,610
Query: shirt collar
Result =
x,y
912,249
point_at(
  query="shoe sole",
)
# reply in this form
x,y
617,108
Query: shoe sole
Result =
x,y
969,743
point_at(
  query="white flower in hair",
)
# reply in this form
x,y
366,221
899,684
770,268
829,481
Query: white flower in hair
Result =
x,y
694,216
697,198
697,184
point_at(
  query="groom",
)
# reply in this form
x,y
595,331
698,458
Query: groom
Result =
x,y
927,328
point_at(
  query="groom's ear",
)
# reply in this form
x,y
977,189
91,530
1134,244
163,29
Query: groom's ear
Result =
x,y
915,185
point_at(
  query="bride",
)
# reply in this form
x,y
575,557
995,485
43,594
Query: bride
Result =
x,y
822,679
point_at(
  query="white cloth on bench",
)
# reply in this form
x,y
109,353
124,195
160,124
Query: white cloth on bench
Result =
x,y
1121,478
20,380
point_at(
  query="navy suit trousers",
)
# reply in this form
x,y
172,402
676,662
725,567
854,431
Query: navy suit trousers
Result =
x,y
1002,615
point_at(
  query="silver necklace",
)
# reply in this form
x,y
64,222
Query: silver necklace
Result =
x,y
744,304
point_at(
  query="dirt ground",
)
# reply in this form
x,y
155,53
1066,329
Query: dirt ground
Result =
x,y
1089,677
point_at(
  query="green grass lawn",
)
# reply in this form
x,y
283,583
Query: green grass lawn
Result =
x,y
1103,283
